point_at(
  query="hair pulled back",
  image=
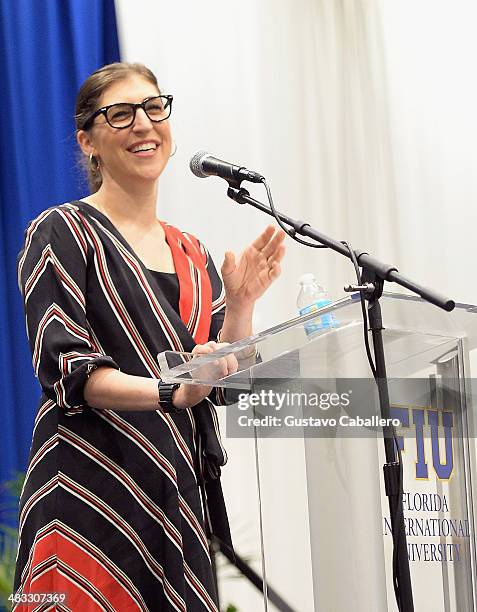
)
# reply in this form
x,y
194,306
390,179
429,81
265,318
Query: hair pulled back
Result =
x,y
88,100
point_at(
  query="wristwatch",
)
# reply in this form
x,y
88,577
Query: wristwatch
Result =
x,y
166,392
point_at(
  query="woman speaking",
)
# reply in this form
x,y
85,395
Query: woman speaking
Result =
x,y
123,483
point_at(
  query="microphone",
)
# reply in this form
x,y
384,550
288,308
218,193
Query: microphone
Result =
x,y
202,165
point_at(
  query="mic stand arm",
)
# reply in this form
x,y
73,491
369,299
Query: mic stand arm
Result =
x,y
382,270
374,274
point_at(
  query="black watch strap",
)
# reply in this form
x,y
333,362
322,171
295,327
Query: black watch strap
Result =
x,y
166,391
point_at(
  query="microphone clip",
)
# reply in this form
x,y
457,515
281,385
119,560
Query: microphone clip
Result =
x,y
237,193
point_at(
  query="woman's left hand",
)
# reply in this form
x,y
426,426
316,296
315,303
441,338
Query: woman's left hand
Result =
x,y
258,266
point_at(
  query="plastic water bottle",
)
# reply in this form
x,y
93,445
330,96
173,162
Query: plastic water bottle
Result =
x,y
311,297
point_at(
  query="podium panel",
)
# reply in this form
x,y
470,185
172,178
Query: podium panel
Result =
x,y
318,507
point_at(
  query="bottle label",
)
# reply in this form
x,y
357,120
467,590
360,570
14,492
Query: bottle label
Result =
x,y
325,321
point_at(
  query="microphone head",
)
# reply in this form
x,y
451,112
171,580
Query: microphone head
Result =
x,y
196,164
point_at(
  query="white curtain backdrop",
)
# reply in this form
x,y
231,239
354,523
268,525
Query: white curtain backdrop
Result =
x,y
295,90
360,113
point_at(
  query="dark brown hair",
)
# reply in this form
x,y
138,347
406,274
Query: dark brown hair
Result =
x,y
89,95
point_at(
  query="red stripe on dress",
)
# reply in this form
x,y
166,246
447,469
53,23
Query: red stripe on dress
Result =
x,y
73,223
54,312
141,441
88,549
149,449
171,333
186,251
199,589
48,256
126,480
118,306
203,298
144,443
42,491
195,312
84,564
137,269
200,261
28,238
98,504
194,524
42,451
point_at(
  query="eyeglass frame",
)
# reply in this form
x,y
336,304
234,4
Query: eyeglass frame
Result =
x,y
135,105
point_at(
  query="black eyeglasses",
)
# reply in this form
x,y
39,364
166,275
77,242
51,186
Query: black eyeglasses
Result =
x,y
122,115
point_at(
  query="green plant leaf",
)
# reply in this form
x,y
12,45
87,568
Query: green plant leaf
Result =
x,y
9,537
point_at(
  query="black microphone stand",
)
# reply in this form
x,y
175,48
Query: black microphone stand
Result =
x,y
249,573
374,274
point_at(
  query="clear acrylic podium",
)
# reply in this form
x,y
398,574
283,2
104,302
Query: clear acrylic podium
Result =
x,y
315,507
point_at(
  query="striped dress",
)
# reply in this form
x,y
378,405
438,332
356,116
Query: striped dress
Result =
x,y
112,511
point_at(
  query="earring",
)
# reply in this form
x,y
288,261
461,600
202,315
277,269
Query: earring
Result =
x,y
94,163
175,149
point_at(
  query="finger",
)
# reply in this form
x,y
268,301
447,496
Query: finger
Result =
x,y
274,243
228,265
222,369
225,365
277,255
275,271
232,364
264,237
203,349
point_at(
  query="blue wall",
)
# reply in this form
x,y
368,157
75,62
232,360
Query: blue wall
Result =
x,y
47,49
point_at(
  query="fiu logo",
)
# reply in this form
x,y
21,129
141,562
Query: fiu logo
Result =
x,y
428,422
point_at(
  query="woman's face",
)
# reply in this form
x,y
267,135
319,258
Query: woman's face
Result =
x,y
117,150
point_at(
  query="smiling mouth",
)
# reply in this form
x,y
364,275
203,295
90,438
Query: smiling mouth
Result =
x,y
141,148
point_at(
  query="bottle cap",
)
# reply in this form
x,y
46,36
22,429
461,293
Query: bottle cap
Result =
x,y
307,279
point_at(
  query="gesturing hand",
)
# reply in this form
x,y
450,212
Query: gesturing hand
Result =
x,y
257,267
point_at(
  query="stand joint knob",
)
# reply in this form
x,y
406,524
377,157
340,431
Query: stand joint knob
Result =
x,y
365,287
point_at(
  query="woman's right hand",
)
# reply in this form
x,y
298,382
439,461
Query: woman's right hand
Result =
x,y
186,395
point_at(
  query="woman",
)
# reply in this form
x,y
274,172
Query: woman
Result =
x,y
123,467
